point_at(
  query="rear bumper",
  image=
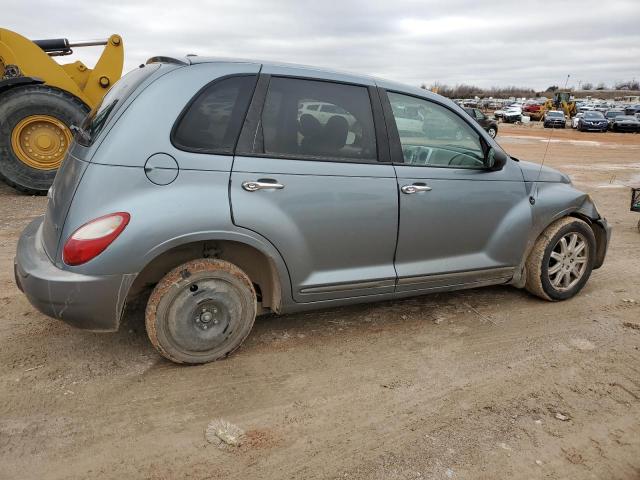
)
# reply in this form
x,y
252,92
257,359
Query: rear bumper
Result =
x,y
88,302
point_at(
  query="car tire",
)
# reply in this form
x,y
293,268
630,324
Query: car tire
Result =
x,y
492,131
201,311
555,269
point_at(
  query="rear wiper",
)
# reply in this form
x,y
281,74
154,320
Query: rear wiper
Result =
x,y
81,132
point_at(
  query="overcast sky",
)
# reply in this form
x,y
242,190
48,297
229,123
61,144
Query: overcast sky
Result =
x,y
481,42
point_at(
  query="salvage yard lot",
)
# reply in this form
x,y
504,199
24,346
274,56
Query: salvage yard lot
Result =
x,y
490,383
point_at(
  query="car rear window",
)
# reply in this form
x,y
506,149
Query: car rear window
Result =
x,y
212,122
112,101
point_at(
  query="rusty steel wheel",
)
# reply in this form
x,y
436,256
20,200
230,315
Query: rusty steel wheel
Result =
x,y
201,311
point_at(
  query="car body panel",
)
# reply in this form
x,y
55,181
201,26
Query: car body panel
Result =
x,y
484,226
332,251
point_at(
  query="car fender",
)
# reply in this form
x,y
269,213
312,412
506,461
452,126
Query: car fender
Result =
x,y
552,201
242,236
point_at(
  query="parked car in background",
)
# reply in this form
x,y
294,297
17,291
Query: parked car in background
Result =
x,y
512,110
533,109
490,125
592,121
625,123
554,119
512,114
234,206
611,115
632,109
574,120
323,111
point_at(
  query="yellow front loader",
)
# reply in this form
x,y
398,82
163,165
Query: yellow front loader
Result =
x,y
40,99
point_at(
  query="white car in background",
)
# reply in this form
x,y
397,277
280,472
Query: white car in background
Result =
x,y
323,111
574,120
510,110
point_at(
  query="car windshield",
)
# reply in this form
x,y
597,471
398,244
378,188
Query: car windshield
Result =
x,y
614,114
593,116
556,114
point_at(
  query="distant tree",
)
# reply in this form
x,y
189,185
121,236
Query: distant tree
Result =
x,y
627,85
551,88
601,86
587,86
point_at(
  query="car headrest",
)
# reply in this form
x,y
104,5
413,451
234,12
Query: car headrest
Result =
x,y
309,126
335,132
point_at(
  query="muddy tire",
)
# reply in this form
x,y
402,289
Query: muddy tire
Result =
x,y
561,260
201,311
35,101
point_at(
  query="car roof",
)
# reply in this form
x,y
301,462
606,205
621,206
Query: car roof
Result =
x,y
292,69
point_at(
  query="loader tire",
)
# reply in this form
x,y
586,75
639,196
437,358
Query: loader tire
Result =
x,y
35,134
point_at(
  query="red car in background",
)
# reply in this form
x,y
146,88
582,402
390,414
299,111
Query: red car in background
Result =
x,y
533,110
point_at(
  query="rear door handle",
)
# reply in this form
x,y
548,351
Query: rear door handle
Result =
x,y
254,186
415,188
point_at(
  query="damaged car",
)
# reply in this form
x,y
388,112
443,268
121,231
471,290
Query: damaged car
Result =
x,y
214,190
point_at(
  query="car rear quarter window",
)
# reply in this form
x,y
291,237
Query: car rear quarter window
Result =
x,y
341,129
212,121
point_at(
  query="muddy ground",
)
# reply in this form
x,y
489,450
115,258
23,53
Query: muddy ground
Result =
x,y
461,385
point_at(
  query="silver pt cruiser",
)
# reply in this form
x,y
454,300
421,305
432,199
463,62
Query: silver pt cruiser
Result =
x,y
235,188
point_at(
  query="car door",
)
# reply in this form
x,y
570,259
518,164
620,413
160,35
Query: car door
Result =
x,y
460,223
320,188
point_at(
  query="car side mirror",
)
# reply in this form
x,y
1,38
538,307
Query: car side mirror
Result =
x,y
496,159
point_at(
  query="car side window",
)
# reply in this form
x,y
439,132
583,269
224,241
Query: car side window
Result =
x,y
341,129
212,122
479,114
433,136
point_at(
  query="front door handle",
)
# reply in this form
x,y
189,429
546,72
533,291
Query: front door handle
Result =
x,y
415,188
261,185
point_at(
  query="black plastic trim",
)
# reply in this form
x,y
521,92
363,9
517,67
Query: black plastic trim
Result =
x,y
250,140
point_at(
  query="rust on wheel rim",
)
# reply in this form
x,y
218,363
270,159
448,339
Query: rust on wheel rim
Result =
x,y
41,141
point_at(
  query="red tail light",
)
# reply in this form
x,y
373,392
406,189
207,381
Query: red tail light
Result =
x,y
92,238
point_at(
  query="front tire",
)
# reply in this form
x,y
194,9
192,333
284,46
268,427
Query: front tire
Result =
x,y
492,131
562,259
201,311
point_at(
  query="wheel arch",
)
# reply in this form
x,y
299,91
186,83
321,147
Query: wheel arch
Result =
x,y
263,265
585,212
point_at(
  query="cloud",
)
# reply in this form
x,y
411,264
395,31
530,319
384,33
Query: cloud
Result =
x,y
534,43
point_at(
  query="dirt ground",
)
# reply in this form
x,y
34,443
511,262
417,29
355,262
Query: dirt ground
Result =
x,y
461,385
